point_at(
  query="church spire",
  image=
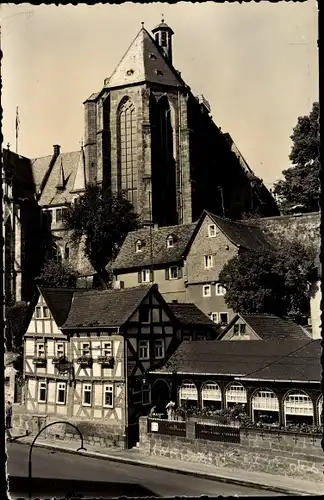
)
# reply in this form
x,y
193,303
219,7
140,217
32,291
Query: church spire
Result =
x,y
163,37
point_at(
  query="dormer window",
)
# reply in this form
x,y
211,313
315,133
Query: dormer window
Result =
x,y
129,72
139,246
152,56
158,72
170,241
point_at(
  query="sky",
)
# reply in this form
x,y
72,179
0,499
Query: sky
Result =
x,y
256,64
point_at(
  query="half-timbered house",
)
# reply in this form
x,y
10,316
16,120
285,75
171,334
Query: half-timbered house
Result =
x,y
87,355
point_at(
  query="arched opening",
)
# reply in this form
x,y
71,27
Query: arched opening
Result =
x,y
265,406
188,394
161,395
211,395
235,395
164,192
127,175
298,408
320,410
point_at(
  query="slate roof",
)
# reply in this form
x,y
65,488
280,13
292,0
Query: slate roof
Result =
x,y
107,308
51,195
190,314
270,327
59,302
39,168
246,236
145,62
245,359
128,258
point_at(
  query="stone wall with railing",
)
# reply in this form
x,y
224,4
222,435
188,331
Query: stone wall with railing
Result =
x,y
272,451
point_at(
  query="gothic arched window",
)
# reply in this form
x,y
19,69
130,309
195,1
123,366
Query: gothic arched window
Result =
x,y
164,194
56,253
127,150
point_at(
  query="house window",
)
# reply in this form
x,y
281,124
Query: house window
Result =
x,y
67,253
108,396
163,39
170,242
138,246
211,230
38,312
143,349
146,275
159,349
40,350
206,291
187,393
223,318
146,394
208,261
59,349
46,313
85,349
42,392
86,394
144,314
106,349
211,395
214,317
7,381
220,289
235,394
173,273
61,393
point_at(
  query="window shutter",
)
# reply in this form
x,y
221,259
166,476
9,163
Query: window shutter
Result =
x,y
167,274
179,272
139,276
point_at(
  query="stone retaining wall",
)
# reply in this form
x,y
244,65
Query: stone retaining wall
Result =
x,y
94,433
295,455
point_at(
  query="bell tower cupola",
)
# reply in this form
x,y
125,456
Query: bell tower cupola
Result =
x,y
163,37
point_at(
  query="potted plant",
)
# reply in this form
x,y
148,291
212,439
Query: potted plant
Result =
x,y
84,360
107,361
39,361
59,359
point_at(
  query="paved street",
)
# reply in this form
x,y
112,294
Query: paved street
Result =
x,y
58,473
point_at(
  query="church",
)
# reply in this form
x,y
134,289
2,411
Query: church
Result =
x,y
146,134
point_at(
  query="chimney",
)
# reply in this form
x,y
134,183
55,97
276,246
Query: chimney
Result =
x,y
56,149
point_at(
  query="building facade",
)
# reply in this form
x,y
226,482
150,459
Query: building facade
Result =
x,y
87,354
219,375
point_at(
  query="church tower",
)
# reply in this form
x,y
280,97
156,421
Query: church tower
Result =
x,y
136,134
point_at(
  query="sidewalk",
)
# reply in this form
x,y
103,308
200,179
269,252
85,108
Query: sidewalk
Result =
x,y
260,480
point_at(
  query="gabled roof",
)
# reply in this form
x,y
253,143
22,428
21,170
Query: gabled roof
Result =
x,y
143,62
159,253
191,315
269,327
297,360
107,308
59,302
242,235
68,162
17,169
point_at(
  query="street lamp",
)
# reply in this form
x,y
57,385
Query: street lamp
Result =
x,y
31,449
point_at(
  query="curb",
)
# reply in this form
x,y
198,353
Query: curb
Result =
x,y
143,463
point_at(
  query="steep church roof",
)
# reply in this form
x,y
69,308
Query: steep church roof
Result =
x,y
144,62
67,163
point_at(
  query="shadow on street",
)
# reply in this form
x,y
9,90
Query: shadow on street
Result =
x,y
66,488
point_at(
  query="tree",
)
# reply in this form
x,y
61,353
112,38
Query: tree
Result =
x,y
103,219
271,282
54,274
301,185
16,323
